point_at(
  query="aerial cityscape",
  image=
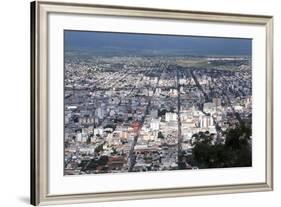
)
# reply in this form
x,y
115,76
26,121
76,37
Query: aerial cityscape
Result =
x,y
143,102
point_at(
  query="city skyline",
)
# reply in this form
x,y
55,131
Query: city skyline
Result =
x,y
128,111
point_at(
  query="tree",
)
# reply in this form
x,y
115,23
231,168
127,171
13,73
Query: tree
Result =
x,y
160,135
89,140
103,160
201,137
238,138
114,151
162,112
236,152
99,148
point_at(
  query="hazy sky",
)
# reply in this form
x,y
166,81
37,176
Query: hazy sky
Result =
x,y
159,44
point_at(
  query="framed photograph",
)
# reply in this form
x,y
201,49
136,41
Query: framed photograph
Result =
x,y
134,103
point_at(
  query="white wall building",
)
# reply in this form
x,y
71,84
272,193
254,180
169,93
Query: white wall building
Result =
x,y
170,117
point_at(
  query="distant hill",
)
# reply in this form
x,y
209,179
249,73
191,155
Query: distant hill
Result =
x,y
150,44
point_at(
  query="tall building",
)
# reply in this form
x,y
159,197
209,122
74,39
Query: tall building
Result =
x,y
100,113
205,121
217,102
158,91
155,124
169,116
154,113
208,107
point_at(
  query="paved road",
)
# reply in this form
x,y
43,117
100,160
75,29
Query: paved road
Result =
x,y
132,156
